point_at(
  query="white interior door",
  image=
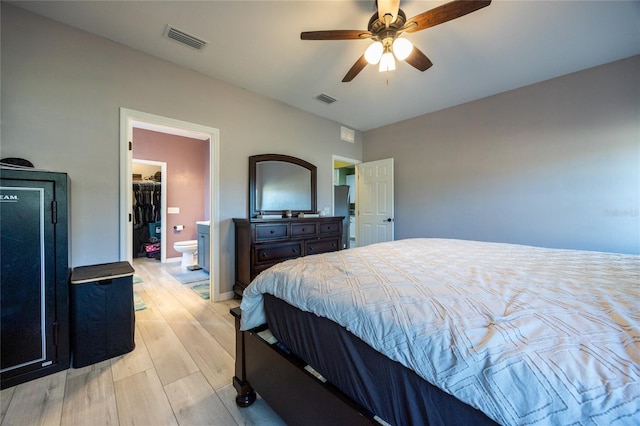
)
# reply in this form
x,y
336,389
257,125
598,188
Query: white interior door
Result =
x,y
374,202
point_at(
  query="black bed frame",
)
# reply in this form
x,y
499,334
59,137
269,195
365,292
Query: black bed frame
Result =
x,y
295,394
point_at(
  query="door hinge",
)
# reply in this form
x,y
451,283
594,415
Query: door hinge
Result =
x,y
130,217
56,332
130,146
54,211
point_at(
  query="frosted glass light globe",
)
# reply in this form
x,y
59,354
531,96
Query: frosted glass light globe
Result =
x,y
402,48
387,63
373,53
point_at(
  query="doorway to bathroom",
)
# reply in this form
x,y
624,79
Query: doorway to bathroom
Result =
x,y
186,189
133,121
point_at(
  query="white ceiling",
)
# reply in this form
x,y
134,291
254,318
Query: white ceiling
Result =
x,y
256,45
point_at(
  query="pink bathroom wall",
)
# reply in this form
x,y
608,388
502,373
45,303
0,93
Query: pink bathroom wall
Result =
x,y
187,179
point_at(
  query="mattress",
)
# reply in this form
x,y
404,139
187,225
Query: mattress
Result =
x,y
387,390
527,335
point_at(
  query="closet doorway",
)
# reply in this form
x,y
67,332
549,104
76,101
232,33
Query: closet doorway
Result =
x,y
149,208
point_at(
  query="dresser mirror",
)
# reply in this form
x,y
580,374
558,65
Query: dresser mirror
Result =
x,y
281,183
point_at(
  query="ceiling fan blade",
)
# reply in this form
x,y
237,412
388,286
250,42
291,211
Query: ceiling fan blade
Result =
x,y
355,69
444,13
388,7
335,35
418,60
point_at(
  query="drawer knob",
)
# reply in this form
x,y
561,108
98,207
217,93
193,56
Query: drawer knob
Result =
x,y
302,229
310,248
272,231
293,250
264,254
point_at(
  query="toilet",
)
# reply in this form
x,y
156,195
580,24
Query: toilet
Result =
x,y
188,249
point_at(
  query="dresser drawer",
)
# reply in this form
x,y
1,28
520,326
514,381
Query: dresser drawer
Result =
x,y
329,228
276,252
303,229
261,267
322,246
271,231
262,243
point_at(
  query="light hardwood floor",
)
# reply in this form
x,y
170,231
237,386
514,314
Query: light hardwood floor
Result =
x,y
179,373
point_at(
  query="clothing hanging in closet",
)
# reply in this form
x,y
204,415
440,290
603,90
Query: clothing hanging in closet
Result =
x,y
146,210
146,202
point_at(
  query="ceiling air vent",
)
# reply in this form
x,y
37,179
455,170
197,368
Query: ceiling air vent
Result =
x,y
184,38
323,97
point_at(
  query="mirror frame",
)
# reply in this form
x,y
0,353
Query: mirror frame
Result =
x,y
253,162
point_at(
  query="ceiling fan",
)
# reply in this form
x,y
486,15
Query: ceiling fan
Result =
x,y
385,28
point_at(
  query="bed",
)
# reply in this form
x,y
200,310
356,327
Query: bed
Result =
x,y
437,331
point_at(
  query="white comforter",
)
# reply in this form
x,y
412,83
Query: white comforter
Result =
x,y
527,335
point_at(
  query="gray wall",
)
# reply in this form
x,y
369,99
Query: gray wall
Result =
x,y
61,93
554,164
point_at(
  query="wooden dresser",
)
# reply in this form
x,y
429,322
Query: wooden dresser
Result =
x,y
261,243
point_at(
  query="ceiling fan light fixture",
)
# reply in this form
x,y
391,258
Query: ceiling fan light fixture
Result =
x,y
373,53
402,48
387,63
386,25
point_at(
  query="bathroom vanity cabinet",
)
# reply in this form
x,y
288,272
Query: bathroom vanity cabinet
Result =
x,y
34,276
261,243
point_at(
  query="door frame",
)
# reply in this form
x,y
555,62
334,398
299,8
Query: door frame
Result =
x,y
335,158
130,119
163,204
